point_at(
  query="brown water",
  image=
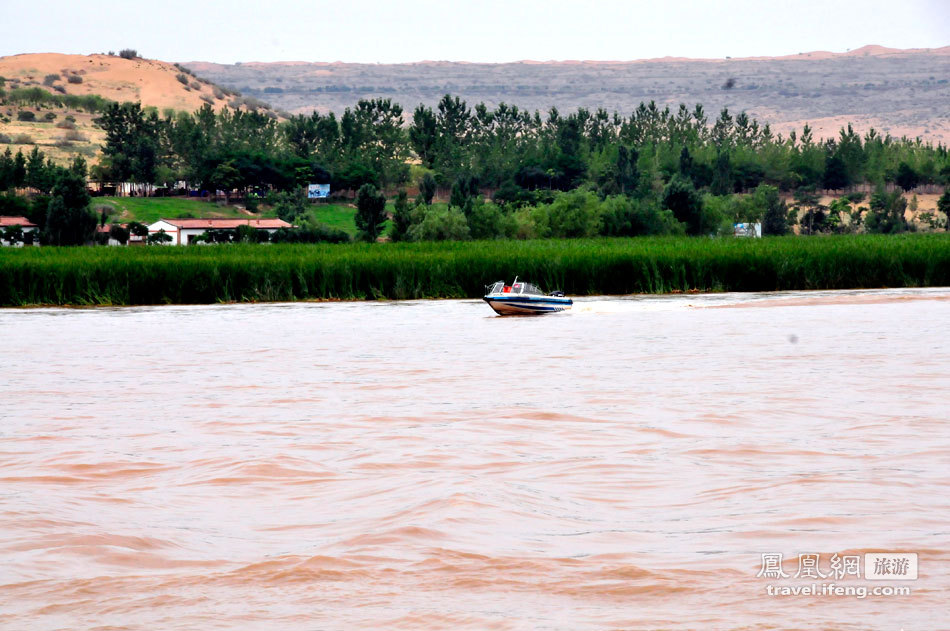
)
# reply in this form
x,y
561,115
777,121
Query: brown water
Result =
x,y
429,465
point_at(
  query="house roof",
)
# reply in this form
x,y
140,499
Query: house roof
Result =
x,y
209,224
23,222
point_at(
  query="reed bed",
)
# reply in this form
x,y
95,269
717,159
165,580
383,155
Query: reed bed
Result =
x,y
251,273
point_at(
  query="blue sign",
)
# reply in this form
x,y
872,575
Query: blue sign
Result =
x,y
318,191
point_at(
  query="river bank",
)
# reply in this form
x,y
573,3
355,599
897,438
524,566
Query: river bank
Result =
x,y
269,273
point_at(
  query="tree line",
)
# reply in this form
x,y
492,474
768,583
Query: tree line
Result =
x,y
656,159
655,171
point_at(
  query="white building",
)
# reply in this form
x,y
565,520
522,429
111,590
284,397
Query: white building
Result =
x,y
183,231
23,222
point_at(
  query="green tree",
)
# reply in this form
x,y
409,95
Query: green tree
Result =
x,y
6,170
576,214
838,208
402,217
225,177
681,197
138,229
19,170
370,213
427,188
291,205
722,183
440,223
464,190
836,173
40,175
69,221
627,217
12,234
423,134
487,221
943,205
807,201
775,218
246,234
886,215
119,233
159,238
907,178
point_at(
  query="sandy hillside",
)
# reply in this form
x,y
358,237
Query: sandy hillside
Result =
x,y
147,81
63,132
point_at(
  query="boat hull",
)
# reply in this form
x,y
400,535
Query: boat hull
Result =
x,y
527,305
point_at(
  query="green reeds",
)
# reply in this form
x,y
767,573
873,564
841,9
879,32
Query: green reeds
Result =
x,y
208,274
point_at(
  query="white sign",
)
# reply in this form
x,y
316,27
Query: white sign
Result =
x,y
747,229
890,566
318,191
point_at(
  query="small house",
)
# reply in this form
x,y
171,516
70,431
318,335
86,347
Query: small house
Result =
x,y
25,225
184,231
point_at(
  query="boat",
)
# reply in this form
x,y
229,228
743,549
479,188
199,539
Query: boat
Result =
x,y
521,298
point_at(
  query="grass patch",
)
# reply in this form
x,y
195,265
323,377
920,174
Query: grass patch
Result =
x,y
194,275
339,216
151,209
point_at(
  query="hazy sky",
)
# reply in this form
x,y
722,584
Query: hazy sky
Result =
x,y
487,30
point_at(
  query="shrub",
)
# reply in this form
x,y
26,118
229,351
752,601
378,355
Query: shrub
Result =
x,y
195,86
571,215
182,78
23,139
129,53
59,88
74,135
207,98
49,116
218,92
4,139
289,205
66,124
50,79
310,232
159,238
487,221
25,115
74,78
625,217
440,223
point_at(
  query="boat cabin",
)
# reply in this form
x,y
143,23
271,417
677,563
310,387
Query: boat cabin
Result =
x,y
517,288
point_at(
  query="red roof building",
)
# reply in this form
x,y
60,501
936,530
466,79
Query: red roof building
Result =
x,y
23,222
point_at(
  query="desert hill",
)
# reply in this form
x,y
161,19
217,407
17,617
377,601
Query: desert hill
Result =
x,y
901,92
148,81
63,132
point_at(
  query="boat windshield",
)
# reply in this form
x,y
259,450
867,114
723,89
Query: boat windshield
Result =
x,y
515,288
526,288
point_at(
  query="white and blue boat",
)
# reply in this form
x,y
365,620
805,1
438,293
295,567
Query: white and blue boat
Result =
x,y
520,298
